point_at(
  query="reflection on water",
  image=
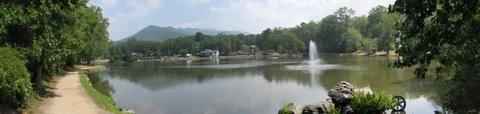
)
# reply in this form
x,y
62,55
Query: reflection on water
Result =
x,y
254,87
100,84
321,67
217,65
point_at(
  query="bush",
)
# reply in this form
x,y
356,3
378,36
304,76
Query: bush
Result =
x,y
286,109
15,87
333,110
376,102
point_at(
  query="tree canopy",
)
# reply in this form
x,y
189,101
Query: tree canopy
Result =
x,y
51,34
443,32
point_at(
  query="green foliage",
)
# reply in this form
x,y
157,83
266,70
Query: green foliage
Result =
x,y
100,99
376,102
334,110
367,45
381,26
353,39
281,41
96,38
15,87
344,33
331,35
443,32
52,34
361,23
285,109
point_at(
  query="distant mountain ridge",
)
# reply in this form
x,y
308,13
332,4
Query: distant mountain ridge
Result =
x,y
155,33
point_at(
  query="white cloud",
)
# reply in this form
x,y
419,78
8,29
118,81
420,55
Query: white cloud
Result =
x,y
193,2
255,15
195,24
141,8
153,3
106,3
123,14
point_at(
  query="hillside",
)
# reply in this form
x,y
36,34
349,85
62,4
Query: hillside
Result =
x,y
155,33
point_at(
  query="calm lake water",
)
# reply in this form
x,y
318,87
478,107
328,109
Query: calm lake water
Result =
x,y
254,86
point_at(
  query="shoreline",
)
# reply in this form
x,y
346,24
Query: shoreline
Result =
x,y
70,93
252,57
102,101
228,57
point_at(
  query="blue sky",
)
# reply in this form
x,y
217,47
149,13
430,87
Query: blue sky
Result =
x,y
127,17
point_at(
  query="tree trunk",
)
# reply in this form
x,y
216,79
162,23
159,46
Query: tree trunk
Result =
x,y
37,70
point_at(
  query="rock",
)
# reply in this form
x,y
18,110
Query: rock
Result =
x,y
310,109
341,96
295,108
342,93
318,108
347,109
129,111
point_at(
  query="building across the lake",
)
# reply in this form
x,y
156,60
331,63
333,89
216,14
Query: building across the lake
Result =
x,y
209,53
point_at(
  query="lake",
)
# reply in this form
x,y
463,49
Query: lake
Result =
x,y
254,86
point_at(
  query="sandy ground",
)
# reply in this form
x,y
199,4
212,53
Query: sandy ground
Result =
x,y
70,98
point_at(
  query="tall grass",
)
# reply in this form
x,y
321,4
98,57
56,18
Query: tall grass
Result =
x,y
376,102
100,99
285,109
333,110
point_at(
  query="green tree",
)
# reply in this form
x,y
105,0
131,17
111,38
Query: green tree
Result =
x,y
264,38
443,32
381,27
355,41
47,32
361,23
330,36
199,37
96,34
333,35
288,43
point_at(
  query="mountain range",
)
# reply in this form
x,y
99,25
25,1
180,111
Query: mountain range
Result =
x,y
155,33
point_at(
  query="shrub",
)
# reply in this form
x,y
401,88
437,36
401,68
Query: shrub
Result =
x,y
376,102
15,87
333,110
286,109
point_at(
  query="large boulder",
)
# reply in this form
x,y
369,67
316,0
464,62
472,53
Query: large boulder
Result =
x,y
318,108
341,96
342,93
346,109
310,109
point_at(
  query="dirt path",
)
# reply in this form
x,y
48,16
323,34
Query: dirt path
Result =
x,y
70,98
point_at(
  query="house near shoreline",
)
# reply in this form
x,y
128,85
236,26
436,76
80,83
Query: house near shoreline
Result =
x,y
209,53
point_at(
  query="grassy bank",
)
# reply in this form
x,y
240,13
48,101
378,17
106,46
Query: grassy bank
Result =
x,y
100,100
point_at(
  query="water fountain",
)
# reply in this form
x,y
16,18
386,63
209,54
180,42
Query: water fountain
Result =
x,y
313,60
314,63
313,54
